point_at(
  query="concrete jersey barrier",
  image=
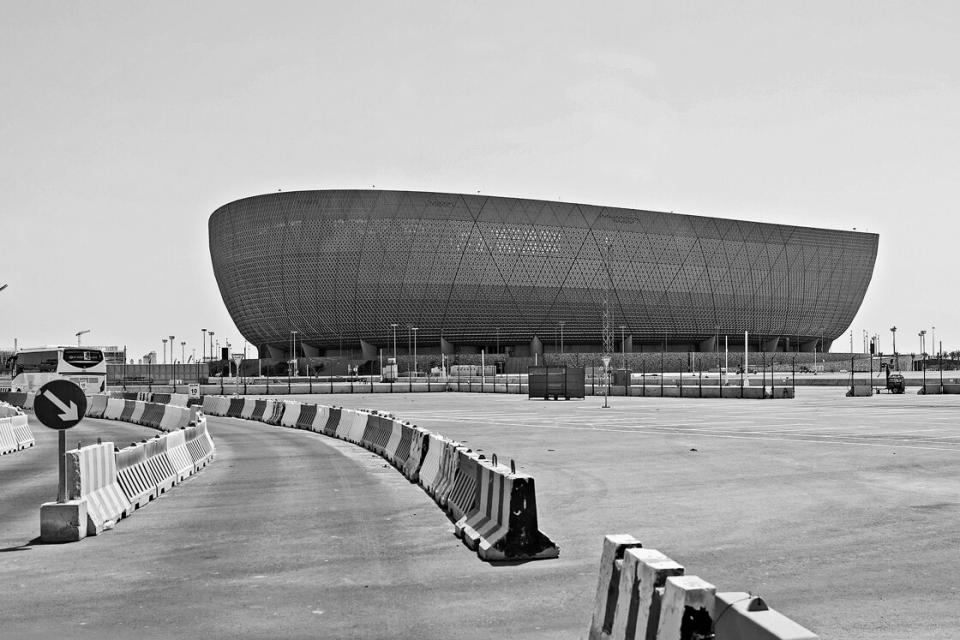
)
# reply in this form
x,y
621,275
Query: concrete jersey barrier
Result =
x,y
643,594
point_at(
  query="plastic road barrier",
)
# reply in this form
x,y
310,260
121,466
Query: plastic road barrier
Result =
x,y
92,476
127,413
134,475
419,441
307,413
273,412
740,616
8,441
235,408
96,406
159,463
199,444
320,420
333,421
291,413
21,432
180,459
115,408
465,492
259,407
249,404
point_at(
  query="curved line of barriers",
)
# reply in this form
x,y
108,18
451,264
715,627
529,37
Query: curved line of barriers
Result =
x,y
494,507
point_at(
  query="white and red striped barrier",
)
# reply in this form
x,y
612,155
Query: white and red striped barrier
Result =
x,y
92,476
15,434
642,594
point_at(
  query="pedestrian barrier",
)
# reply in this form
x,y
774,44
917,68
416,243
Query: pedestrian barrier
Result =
x,y
643,594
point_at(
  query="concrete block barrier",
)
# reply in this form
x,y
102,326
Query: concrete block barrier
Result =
x,y
398,446
741,616
643,594
514,533
608,585
291,413
91,475
21,432
135,476
643,577
687,610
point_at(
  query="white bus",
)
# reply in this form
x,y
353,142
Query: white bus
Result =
x,y
33,368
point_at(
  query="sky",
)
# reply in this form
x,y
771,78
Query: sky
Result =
x,y
124,125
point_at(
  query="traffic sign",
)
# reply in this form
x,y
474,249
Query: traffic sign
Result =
x,y
60,404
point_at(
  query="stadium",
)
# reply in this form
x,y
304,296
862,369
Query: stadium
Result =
x,y
335,272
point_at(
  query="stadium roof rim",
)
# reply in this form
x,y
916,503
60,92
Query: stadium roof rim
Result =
x,y
563,202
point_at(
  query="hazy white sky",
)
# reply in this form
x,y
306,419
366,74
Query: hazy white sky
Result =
x,y
123,125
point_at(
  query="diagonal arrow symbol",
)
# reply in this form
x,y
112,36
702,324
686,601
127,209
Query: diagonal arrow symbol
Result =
x,y
69,413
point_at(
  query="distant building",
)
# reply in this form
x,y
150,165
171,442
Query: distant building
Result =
x,y
312,273
150,358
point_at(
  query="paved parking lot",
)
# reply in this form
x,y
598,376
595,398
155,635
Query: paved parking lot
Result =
x,y
841,512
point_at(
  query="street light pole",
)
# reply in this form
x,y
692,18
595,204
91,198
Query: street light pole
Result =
x,y
164,340
211,344
562,323
623,348
415,351
893,330
203,349
394,325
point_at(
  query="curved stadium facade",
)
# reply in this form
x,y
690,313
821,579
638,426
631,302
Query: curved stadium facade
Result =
x,y
340,267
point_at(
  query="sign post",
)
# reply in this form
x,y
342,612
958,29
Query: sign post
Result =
x,y
60,405
237,359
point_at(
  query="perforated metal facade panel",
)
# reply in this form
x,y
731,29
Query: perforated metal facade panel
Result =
x,y
340,266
